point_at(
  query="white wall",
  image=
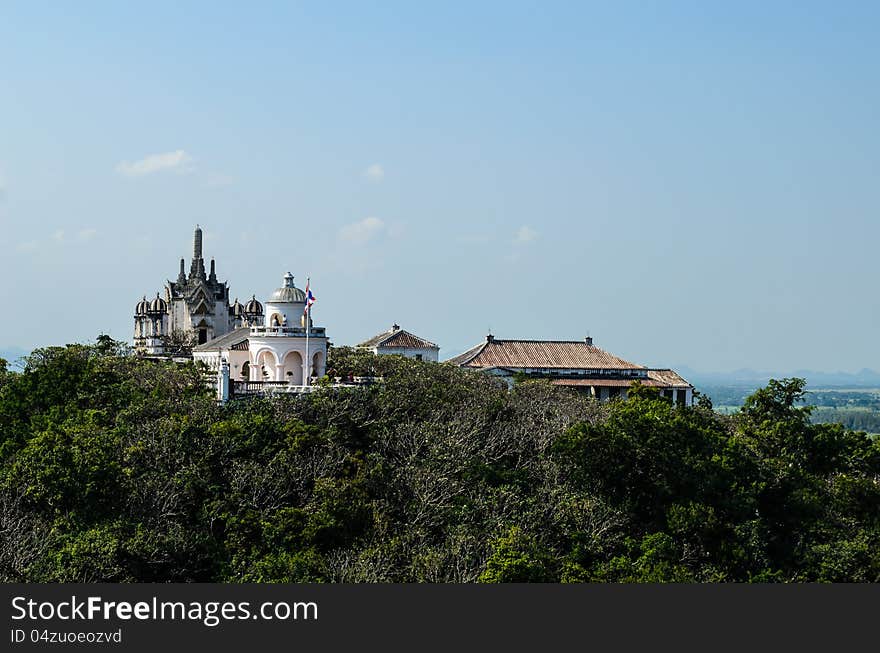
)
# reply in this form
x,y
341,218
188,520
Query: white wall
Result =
x,y
278,348
428,353
292,311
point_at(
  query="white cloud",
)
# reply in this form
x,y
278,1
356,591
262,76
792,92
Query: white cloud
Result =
x,y
58,236
363,231
29,246
375,172
178,161
525,234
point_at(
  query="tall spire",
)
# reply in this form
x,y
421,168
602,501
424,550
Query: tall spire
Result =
x,y
197,267
197,243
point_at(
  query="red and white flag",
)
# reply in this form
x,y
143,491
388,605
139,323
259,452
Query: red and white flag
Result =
x,y
310,299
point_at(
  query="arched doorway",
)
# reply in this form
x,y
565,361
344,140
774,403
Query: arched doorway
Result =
x,y
265,368
317,364
293,368
202,333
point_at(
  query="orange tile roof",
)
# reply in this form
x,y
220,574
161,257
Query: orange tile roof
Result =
x,y
668,379
541,354
398,338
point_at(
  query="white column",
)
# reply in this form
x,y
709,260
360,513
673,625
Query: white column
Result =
x,y
223,382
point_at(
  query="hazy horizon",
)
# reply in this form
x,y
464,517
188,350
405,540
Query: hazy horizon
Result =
x,y
689,185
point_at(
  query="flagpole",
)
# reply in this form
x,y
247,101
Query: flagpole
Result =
x,y
308,315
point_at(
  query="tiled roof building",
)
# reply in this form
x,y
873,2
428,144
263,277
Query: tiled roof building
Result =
x,y
400,341
574,363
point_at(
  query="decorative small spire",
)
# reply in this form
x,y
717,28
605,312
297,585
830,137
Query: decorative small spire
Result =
x,y
213,276
288,280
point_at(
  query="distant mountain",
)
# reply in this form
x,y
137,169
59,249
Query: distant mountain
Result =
x,y
863,377
747,376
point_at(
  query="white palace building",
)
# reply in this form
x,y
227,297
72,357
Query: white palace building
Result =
x,y
249,349
244,345
285,352
192,310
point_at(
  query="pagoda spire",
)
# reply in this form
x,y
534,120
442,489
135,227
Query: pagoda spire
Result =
x,y
197,243
197,267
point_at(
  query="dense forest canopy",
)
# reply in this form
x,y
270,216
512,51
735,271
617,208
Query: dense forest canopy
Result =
x,y
114,468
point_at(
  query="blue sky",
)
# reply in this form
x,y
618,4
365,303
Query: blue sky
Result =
x,y
689,184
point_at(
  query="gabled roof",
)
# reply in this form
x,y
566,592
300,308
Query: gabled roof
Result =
x,y
668,379
540,354
398,338
656,379
235,339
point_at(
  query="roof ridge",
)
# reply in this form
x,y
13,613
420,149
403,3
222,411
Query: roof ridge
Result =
x,y
383,337
573,342
467,356
399,331
557,354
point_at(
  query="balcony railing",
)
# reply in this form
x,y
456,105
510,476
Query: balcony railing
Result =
x,y
287,331
267,387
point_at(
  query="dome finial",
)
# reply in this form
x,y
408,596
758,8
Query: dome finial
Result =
x,y
288,293
253,307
